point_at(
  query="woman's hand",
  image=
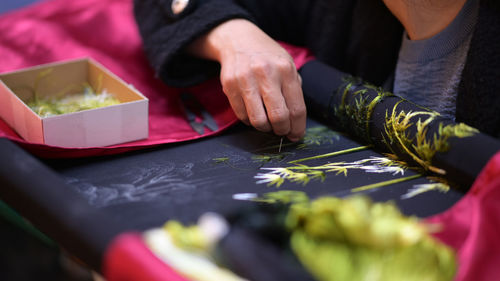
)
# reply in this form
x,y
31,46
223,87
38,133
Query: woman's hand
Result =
x,y
258,77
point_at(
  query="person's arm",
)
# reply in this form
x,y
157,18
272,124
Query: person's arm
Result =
x,y
258,76
165,36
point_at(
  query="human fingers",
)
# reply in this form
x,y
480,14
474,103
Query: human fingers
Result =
x,y
249,91
269,86
231,89
294,98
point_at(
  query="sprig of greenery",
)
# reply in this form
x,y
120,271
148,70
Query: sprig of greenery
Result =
x,y
418,146
355,111
330,154
357,115
422,188
226,161
385,183
266,158
354,115
317,136
219,160
303,174
314,136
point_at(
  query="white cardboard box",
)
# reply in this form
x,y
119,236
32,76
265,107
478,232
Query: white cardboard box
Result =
x,y
124,122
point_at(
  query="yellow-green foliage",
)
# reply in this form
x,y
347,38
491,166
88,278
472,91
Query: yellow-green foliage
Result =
x,y
300,173
318,135
284,197
62,102
419,146
45,107
350,239
354,239
357,116
186,237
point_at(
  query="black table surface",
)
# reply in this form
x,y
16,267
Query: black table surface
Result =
x,y
84,203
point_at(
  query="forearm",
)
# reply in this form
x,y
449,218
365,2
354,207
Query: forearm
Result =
x,y
227,38
257,75
165,38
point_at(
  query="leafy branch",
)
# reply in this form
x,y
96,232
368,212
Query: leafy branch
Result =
x,y
303,174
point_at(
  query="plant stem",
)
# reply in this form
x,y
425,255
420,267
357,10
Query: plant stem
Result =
x,y
340,152
273,146
381,95
385,183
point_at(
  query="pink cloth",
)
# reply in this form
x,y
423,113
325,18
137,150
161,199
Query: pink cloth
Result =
x,y
104,30
129,259
472,227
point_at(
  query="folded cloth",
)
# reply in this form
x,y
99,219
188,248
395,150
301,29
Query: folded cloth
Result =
x,y
105,31
472,225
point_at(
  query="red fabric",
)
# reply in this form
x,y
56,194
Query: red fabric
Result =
x,y
104,30
128,259
472,227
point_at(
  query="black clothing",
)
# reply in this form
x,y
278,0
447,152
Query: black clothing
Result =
x,y
360,37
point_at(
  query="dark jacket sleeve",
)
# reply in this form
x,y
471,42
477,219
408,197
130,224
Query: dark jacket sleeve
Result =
x,y
166,35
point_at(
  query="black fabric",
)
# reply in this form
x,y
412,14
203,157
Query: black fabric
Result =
x,y
144,189
461,163
166,5
251,256
52,206
82,204
478,102
359,37
319,81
